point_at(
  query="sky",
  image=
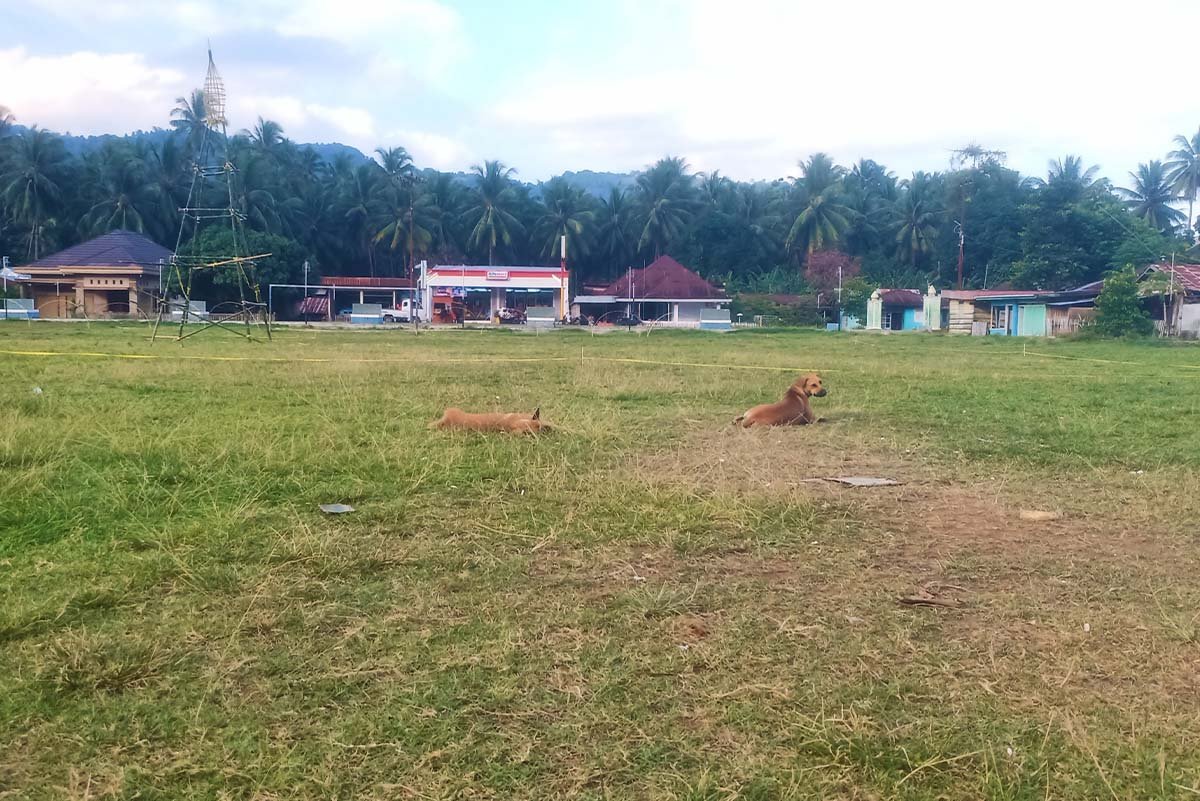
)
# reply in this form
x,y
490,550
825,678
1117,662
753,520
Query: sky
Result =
x,y
748,87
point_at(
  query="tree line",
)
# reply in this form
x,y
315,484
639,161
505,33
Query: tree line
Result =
x,y
382,215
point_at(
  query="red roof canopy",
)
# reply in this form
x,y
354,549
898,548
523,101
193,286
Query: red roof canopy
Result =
x,y
663,279
364,282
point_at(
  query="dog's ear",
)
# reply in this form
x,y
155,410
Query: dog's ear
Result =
x,y
537,414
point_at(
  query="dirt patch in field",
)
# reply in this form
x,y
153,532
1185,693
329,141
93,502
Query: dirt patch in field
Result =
x,y
939,510
1096,601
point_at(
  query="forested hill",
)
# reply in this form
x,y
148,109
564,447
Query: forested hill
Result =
x,y
80,146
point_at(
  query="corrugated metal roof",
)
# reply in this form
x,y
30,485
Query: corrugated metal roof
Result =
x,y
365,282
114,249
1188,275
986,294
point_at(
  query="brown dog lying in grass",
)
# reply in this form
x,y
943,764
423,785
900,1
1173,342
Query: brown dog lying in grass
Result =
x,y
793,410
507,423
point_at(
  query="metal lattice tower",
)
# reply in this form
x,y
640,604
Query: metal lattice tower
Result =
x,y
214,97
213,201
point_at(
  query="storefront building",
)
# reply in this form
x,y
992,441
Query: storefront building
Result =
x,y
454,293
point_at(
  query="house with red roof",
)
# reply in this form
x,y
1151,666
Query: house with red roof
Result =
x,y
114,275
1183,311
664,291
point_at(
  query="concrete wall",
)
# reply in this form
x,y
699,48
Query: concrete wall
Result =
x,y
1189,319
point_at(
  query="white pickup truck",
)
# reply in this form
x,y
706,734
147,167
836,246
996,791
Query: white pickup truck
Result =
x,y
400,314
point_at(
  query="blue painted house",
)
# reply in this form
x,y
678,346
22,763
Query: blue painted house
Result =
x,y
903,310
999,312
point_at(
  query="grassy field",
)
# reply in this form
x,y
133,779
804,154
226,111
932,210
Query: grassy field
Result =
x,y
648,604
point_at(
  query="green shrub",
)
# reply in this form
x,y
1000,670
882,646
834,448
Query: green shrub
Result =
x,y
797,310
1119,309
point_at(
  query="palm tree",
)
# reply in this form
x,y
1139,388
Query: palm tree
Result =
x,y
917,217
267,138
312,220
754,208
397,164
166,174
616,224
1069,169
123,198
1069,174
310,168
494,224
868,190
1151,196
188,118
254,197
406,220
714,187
822,218
567,214
31,185
667,198
446,198
1183,171
360,200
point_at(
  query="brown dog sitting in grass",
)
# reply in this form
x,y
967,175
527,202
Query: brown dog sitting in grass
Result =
x,y
507,423
793,410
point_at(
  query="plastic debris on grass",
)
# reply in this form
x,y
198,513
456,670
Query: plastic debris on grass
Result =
x,y
864,481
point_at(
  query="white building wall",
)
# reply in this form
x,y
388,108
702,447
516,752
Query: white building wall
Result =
x,y
1189,319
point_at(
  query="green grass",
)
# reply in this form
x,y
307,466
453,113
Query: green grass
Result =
x,y
647,604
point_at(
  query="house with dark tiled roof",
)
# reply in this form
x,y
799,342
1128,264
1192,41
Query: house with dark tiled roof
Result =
x,y
114,275
663,291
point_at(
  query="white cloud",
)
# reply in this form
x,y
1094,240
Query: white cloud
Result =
x,y
193,15
351,21
85,92
433,150
754,86
310,122
357,123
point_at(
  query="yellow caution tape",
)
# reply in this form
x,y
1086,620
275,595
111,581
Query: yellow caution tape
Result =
x,y
447,360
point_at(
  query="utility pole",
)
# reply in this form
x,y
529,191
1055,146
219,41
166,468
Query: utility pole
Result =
x,y
839,297
304,303
958,228
565,309
412,264
1171,324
